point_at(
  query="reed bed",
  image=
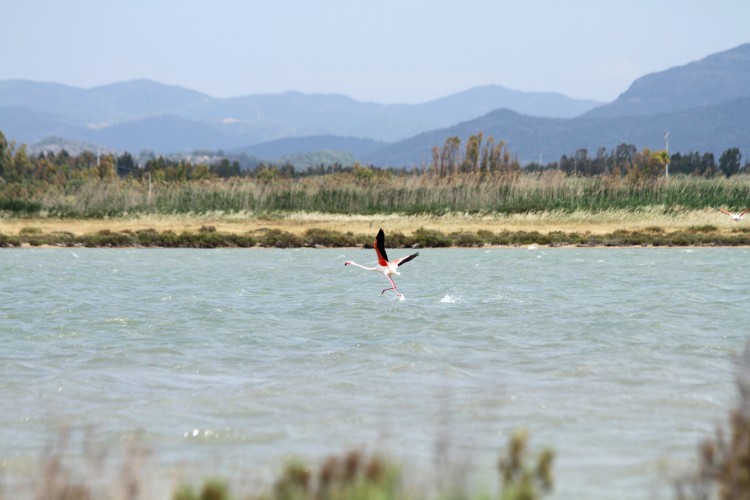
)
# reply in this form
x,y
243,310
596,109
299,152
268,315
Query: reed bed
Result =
x,y
346,210
406,194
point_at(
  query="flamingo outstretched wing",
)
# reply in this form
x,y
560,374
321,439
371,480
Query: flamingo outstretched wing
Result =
x,y
404,260
724,211
744,212
380,248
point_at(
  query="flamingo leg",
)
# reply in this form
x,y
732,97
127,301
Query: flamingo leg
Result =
x,y
393,286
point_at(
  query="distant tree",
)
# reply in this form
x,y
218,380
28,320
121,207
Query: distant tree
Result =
x,y
125,165
707,166
87,160
730,162
624,155
489,146
362,174
473,153
451,155
266,173
105,167
566,164
286,170
582,162
6,157
490,157
578,164
692,163
46,169
226,169
23,167
680,163
501,160
200,172
145,156
436,163
62,158
648,165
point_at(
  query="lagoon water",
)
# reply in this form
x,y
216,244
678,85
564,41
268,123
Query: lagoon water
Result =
x,y
232,361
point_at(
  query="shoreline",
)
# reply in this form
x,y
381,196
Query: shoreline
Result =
x,y
549,229
299,222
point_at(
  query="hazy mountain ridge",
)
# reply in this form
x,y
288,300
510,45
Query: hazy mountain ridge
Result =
x,y
279,148
717,78
247,120
712,128
704,104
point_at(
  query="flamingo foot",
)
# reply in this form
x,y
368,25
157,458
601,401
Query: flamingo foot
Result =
x,y
392,288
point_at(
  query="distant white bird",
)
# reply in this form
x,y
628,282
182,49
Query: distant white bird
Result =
x,y
388,268
736,217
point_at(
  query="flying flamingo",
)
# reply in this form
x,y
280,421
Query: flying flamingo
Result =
x,y
736,217
388,268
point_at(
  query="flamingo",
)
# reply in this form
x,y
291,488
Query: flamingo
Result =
x,y
388,268
736,217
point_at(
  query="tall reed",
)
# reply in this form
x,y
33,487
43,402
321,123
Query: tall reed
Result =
x,y
386,193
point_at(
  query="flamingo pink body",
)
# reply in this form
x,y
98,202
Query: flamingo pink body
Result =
x,y
736,217
384,266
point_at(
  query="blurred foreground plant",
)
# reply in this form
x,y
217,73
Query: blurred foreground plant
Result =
x,y
351,476
724,460
521,480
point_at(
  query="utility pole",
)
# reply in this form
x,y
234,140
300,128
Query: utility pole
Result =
x,y
666,146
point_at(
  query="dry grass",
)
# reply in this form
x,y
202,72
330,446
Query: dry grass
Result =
x,y
297,223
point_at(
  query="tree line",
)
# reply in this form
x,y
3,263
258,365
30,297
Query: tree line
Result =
x,y
625,160
485,156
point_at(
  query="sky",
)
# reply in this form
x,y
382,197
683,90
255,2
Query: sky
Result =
x,y
385,51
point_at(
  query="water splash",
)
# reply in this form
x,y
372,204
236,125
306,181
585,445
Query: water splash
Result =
x,y
450,299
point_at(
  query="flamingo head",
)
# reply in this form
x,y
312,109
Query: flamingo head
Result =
x,y
347,262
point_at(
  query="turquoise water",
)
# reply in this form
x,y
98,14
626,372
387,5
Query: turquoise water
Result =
x,y
232,361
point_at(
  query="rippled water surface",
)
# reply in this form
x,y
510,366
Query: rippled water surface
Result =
x,y
236,360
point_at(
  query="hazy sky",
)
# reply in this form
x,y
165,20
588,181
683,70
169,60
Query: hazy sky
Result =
x,y
387,51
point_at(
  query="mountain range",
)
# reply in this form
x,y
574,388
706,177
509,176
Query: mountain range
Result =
x,y
143,114
705,106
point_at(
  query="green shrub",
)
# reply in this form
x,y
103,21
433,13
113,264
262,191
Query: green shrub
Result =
x,y
9,241
466,239
397,239
20,207
430,238
329,238
213,489
279,239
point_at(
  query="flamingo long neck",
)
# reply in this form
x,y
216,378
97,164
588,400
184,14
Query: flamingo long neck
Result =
x,y
363,267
